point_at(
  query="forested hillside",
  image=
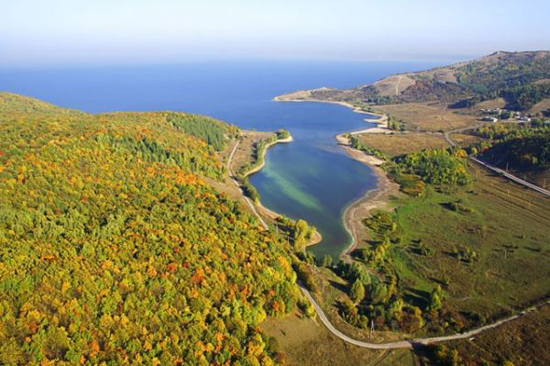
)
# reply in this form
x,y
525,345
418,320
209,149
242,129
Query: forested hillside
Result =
x,y
516,146
521,78
115,250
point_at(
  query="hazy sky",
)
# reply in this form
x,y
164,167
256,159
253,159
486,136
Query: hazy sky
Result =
x,y
35,32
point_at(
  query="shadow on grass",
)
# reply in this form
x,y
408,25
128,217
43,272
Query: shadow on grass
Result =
x,y
416,297
338,286
439,281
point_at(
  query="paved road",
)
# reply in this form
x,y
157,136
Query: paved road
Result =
x,y
405,344
409,344
494,168
234,179
512,177
448,133
342,336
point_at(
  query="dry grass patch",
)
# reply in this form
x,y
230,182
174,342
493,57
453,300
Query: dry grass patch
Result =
x,y
523,342
489,104
306,342
465,140
422,116
245,153
539,107
403,143
393,85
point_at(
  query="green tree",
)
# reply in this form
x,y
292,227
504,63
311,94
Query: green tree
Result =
x,y
327,261
301,230
435,299
357,291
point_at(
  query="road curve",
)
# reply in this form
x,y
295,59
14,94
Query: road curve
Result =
x,y
234,179
405,344
447,134
409,344
342,336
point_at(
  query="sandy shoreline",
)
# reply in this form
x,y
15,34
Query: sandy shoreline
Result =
x,y
317,237
374,199
382,121
345,104
261,166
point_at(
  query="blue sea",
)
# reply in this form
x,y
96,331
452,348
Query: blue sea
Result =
x,y
311,178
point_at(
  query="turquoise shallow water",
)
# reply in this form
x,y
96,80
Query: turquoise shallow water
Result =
x,y
311,178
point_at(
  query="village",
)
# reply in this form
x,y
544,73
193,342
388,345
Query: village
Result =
x,y
497,114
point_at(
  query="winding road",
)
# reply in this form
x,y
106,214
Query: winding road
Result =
x,y
409,343
234,179
412,343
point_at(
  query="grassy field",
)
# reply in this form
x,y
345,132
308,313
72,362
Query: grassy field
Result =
x,y
244,155
508,227
530,335
306,342
427,117
489,104
402,143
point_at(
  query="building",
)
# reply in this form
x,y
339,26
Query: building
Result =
x,y
490,119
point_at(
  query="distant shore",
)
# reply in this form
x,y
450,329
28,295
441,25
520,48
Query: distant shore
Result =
x,y
283,98
382,121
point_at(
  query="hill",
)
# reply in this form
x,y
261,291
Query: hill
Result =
x,y
521,78
115,249
18,104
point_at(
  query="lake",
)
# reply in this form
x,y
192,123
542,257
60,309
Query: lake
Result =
x,y
310,178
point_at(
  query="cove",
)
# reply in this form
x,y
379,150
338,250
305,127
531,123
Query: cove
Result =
x,y
311,178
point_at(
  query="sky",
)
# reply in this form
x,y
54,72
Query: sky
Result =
x,y
39,32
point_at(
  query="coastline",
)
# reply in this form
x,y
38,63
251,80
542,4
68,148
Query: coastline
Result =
x,y
317,237
264,152
281,98
373,199
381,121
